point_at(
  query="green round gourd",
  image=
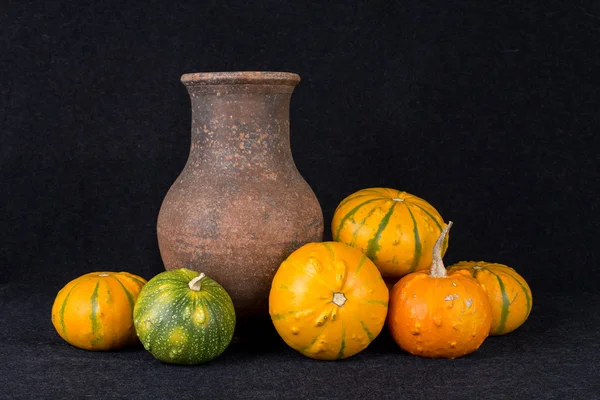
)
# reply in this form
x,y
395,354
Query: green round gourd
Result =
x,y
183,317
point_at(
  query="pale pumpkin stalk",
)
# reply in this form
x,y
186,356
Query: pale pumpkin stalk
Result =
x,y
196,283
438,269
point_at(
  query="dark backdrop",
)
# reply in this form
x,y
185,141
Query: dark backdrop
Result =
x,y
488,110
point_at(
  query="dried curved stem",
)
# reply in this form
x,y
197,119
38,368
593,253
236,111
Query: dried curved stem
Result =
x,y
196,283
438,270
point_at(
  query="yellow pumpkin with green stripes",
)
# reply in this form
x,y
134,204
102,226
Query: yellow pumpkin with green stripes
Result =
x,y
395,229
95,311
328,301
509,294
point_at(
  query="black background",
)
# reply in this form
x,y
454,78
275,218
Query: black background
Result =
x,y
488,110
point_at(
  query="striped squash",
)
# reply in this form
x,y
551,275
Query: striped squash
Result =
x,y
95,311
183,317
394,229
510,296
328,301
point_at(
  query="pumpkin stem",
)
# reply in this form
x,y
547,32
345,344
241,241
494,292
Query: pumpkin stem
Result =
x,y
438,270
196,283
339,299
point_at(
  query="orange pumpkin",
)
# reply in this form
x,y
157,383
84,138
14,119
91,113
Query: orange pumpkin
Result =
x,y
95,311
328,301
509,294
394,229
435,314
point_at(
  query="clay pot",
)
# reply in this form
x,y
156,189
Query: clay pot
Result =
x,y
240,206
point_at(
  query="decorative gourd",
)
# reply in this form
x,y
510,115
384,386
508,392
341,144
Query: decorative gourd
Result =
x,y
437,314
509,294
183,317
396,230
328,301
95,311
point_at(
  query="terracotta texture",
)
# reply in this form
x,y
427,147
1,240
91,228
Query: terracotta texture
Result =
x,y
240,206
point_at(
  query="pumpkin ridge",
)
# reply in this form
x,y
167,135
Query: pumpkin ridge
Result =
x,y
209,294
434,219
207,307
363,258
141,308
373,244
96,325
525,291
380,302
331,252
367,331
361,224
174,307
505,302
344,202
127,292
418,247
178,301
317,277
325,326
282,315
343,345
61,312
379,191
217,310
156,291
169,279
130,276
349,215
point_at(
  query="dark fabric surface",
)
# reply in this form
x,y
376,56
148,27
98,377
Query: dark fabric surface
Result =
x,y
488,110
555,355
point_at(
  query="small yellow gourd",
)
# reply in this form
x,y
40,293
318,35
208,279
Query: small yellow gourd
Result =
x,y
509,294
95,311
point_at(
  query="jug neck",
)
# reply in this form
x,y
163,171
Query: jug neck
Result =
x,y
240,120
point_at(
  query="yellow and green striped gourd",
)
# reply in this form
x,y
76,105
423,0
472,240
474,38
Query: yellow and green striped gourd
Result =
x,y
509,294
95,310
395,229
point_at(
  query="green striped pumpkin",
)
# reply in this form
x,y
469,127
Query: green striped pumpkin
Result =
x,y
395,229
183,317
509,294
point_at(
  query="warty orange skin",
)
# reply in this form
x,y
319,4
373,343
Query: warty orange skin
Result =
x,y
439,317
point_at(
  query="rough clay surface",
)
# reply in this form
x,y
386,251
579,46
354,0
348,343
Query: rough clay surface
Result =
x,y
240,206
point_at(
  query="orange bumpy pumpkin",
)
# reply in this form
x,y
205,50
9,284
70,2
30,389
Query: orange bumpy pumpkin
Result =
x,y
437,314
394,229
328,301
95,311
509,294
